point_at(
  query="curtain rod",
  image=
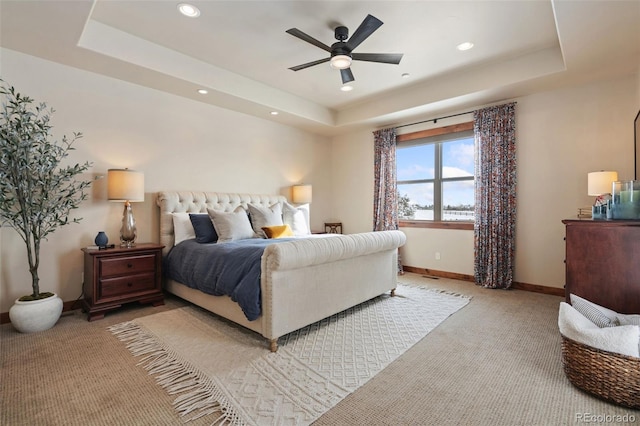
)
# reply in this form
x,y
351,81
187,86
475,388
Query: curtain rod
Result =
x,y
435,120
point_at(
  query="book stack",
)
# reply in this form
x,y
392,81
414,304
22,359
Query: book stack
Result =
x,y
584,212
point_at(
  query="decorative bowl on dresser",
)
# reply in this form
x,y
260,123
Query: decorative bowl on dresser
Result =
x,y
118,275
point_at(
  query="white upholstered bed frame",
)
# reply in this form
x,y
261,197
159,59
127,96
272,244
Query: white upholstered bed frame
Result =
x,y
302,281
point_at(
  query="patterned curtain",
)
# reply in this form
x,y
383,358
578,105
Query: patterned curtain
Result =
x,y
385,195
495,196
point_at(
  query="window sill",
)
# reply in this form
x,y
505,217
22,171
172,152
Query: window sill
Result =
x,y
435,225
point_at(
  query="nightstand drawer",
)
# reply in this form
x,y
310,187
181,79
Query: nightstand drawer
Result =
x,y
112,267
125,285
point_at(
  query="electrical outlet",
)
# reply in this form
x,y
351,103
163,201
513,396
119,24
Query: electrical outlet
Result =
x,y
437,255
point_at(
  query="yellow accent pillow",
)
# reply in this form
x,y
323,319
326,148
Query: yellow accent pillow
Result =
x,y
278,231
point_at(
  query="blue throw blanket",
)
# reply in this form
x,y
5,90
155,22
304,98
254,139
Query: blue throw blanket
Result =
x,y
231,269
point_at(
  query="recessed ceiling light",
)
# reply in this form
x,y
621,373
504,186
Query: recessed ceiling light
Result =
x,y
189,10
274,113
464,46
405,75
203,91
346,88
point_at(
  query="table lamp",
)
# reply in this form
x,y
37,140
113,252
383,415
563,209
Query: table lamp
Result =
x,y
302,194
127,186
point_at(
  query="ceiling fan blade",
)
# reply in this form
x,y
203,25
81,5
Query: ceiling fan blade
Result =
x,y
366,28
386,58
347,75
309,64
306,37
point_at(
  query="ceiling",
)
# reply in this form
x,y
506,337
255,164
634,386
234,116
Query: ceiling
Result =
x,y
239,51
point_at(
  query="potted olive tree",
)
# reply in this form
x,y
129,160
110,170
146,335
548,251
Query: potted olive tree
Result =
x,y
37,194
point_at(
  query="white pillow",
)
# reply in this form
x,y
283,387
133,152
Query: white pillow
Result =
x,y
297,218
632,319
599,315
264,216
623,339
231,226
182,228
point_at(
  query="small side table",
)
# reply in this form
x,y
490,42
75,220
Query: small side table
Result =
x,y
333,227
121,275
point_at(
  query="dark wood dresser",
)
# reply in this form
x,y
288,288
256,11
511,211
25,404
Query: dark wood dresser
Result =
x,y
121,275
603,262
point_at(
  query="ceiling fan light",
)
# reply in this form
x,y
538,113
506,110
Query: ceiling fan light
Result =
x,y
340,62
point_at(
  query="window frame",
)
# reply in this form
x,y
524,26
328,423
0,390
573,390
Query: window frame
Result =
x,y
422,134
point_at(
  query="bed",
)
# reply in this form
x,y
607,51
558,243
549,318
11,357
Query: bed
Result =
x,y
303,279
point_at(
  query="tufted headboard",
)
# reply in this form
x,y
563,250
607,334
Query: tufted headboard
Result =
x,y
198,202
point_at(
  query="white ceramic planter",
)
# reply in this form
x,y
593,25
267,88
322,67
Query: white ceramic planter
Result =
x,y
36,315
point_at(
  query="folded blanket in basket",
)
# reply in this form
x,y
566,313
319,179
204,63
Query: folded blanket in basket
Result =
x,y
623,339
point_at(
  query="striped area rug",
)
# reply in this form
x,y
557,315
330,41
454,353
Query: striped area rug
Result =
x,y
226,373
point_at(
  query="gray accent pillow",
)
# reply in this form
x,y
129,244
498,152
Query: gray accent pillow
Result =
x,y
231,226
264,216
599,315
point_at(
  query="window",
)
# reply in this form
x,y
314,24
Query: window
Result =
x,y
435,175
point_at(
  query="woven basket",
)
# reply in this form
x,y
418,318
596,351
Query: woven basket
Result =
x,y
607,375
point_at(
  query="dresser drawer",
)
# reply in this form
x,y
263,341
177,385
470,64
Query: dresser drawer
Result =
x,y
114,266
122,286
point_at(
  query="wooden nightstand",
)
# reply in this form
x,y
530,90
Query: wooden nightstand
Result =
x,y
121,275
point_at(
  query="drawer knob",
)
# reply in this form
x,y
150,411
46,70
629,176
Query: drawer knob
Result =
x,y
129,284
129,265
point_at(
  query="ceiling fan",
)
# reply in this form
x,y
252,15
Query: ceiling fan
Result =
x,y
342,51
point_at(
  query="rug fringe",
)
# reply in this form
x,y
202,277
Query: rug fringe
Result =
x,y
198,396
436,290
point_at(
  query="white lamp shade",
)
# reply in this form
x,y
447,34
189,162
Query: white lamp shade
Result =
x,y
599,183
302,194
125,185
340,62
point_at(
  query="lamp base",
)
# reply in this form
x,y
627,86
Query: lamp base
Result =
x,y
128,230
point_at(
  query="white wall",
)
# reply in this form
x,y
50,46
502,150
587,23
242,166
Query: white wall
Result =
x,y
178,143
561,135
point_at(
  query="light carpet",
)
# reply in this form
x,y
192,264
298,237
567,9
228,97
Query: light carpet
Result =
x,y
224,371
